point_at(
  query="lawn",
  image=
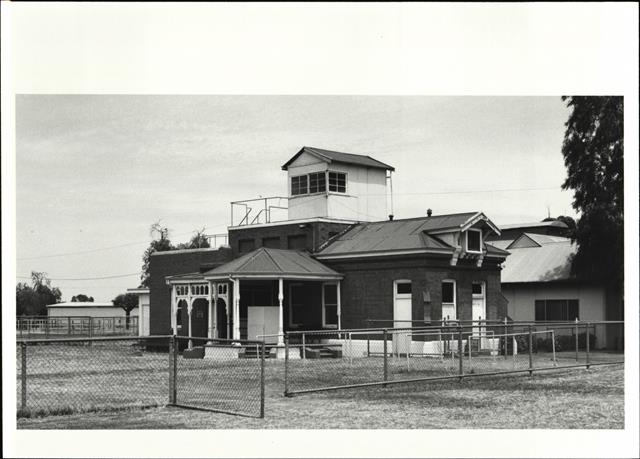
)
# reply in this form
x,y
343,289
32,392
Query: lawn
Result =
x,y
571,398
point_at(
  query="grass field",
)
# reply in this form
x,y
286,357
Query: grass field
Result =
x,y
83,378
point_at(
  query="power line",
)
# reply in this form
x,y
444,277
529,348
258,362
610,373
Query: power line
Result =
x,y
85,278
80,252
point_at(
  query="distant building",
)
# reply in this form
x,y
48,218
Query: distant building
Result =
x,y
143,309
513,231
87,309
537,282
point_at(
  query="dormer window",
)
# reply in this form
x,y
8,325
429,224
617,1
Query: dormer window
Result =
x,y
316,182
474,240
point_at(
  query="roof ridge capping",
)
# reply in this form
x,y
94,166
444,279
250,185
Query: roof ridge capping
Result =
x,y
340,157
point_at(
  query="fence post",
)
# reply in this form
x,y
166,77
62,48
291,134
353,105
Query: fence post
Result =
x,y
577,358
587,343
385,369
69,325
46,327
530,350
286,364
173,363
368,345
23,376
506,344
460,352
262,351
304,348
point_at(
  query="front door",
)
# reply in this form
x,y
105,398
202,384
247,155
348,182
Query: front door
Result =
x,y
478,306
200,318
401,316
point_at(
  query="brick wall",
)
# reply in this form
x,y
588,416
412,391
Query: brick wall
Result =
x,y
164,264
314,233
367,289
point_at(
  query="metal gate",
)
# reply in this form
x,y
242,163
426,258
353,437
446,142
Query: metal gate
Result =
x,y
225,376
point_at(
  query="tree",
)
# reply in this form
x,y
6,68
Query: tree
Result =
x,y
126,301
593,154
199,240
160,243
569,221
33,299
81,298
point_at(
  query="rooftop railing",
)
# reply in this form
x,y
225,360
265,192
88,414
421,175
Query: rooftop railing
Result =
x,y
259,210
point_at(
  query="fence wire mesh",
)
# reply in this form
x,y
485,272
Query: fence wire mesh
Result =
x,y
220,376
59,377
321,360
65,376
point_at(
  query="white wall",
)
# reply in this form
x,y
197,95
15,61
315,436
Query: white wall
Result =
x,y
591,302
90,312
365,199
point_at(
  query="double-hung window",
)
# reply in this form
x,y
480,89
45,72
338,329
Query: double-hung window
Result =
x,y
317,182
330,305
449,300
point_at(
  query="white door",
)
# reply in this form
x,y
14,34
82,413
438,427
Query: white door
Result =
x,y
478,306
263,320
401,315
144,320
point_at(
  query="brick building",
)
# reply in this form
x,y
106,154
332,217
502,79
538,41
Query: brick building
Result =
x,y
336,260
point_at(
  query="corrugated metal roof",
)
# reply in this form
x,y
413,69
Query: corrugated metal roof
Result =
x,y
548,263
336,156
394,235
555,223
81,304
274,263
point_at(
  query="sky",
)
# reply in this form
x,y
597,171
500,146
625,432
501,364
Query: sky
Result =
x,y
94,172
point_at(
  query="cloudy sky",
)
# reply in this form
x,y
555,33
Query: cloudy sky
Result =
x,y
94,172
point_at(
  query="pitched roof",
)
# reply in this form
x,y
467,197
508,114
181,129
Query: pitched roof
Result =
x,y
81,304
548,262
554,223
395,235
273,263
339,157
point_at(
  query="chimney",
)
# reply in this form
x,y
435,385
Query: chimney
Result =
x,y
429,212
390,217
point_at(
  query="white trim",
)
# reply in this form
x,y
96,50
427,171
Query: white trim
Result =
x,y
324,312
286,222
455,299
466,240
278,276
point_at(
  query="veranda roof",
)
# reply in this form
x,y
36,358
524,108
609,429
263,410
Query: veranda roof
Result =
x,y
266,263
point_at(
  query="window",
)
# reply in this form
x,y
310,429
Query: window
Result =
x,y
338,182
297,242
317,182
403,288
271,242
296,304
299,185
560,310
246,245
330,305
474,240
476,288
448,300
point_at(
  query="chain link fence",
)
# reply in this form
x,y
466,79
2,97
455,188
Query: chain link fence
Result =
x,y
328,360
72,375
60,327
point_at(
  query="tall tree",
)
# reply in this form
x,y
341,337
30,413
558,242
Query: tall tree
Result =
x,y
593,154
159,243
33,299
